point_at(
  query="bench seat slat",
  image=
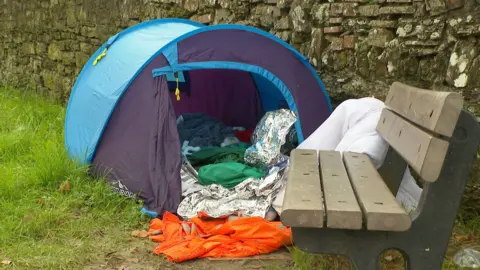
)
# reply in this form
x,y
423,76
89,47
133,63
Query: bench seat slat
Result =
x,y
342,209
381,210
423,151
303,203
433,110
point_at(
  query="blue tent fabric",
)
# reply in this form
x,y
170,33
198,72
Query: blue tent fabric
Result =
x,y
99,87
127,53
272,99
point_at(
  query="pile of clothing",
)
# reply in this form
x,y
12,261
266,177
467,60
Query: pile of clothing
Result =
x,y
232,170
229,172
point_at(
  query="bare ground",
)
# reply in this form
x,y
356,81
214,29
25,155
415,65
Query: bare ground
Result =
x,y
137,254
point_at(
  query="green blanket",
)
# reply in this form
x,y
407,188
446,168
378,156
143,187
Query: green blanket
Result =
x,y
211,155
227,174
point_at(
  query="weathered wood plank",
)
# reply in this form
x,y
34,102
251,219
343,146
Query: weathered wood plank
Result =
x,y
381,210
343,211
433,110
303,203
423,151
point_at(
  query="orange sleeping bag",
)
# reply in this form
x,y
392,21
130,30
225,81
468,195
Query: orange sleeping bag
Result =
x,y
200,238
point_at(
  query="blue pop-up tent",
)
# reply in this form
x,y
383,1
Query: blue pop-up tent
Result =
x,y
121,116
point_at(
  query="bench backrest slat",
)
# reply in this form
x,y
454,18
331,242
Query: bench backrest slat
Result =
x,y
424,152
415,122
303,202
381,211
433,110
343,211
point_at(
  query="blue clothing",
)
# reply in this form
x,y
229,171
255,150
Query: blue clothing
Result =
x,y
202,130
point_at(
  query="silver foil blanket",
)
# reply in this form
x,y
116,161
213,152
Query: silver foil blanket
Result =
x,y
250,198
189,177
268,137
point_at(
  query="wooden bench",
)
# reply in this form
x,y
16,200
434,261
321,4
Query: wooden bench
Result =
x,y
345,206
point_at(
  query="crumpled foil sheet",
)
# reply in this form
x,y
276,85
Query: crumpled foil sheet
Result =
x,y
250,198
189,177
268,137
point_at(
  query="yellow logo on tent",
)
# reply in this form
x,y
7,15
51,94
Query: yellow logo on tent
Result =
x,y
177,91
103,54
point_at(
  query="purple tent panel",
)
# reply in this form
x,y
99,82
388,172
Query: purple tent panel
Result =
x,y
228,95
140,146
250,48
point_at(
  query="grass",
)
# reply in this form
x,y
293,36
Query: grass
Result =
x,y
43,228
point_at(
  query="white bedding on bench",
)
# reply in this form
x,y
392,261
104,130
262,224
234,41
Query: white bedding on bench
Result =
x,y
351,128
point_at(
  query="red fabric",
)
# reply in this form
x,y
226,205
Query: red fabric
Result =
x,y
198,238
244,136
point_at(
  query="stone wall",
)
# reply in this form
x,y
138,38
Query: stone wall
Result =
x,y
428,42
357,46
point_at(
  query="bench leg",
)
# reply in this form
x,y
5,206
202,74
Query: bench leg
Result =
x,y
363,248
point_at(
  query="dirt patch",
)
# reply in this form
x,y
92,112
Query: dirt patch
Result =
x,y
137,254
